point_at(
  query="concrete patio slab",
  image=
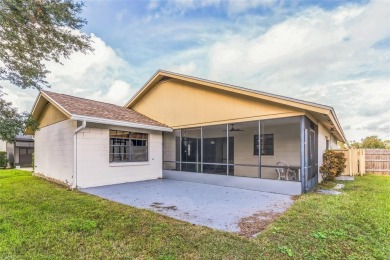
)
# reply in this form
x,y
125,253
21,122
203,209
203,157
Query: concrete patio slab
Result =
x,y
345,178
329,192
201,204
339,186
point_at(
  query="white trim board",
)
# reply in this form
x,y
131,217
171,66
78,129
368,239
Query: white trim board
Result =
x,y
119,123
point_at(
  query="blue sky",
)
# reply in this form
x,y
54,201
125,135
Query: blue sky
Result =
x,y
332,52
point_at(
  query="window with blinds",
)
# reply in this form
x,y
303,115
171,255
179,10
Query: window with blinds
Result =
x,y
128,146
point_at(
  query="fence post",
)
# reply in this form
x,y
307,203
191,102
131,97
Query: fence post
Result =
x,y
351,173
363,162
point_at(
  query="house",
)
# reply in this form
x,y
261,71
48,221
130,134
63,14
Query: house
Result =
x,y
189,129
20,152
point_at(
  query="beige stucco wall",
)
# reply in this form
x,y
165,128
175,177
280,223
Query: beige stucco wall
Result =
x,y
50,115
286,148
54,151
195,105
94,168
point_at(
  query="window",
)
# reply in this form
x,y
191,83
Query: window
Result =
x,y
128,146
267,144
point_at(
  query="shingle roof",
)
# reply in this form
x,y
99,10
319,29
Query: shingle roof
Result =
x,y
91,108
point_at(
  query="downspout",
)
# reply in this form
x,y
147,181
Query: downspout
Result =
x,y
83,125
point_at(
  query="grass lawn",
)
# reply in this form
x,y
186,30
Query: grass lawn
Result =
x,y
39,219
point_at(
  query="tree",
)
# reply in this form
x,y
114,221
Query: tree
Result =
x,y
355,145
33,32
372,142
342,145
12,122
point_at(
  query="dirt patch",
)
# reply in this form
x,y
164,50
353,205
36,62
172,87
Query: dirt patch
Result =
x,y
252,225
295,197
159,205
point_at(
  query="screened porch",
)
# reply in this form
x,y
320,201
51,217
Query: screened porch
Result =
x,y
236,149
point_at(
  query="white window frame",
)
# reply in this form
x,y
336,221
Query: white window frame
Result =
x,y
129,147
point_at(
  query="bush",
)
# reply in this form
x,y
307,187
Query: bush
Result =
x,y
334,164
3,159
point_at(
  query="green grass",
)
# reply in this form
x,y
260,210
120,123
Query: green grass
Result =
x,y
354,225
42,220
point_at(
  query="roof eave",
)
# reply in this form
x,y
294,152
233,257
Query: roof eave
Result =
x,y
56,104
105,121
339,128
144,87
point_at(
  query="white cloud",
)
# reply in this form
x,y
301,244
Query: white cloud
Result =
x,y
235,6
153,4
99,75
186,68
360,104
22,99
121,15
231,6
324,56
316,55
296,37
118,93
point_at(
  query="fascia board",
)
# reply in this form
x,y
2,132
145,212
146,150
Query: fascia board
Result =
x,y
61,108
119,123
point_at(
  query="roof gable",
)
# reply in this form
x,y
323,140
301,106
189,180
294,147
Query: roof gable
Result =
x,y
323,114
161,75
93,111
194,105
51,115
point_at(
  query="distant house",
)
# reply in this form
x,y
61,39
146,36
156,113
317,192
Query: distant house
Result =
x,y
185,128
20,152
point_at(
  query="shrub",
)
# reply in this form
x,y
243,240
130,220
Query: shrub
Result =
x,y
334,164
3,159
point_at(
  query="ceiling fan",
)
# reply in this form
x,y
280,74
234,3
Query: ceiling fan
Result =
x,y
232,129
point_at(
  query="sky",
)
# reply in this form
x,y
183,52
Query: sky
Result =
x,y
331,52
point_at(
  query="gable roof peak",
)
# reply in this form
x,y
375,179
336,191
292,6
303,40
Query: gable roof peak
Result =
x,y
82,109
160,74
